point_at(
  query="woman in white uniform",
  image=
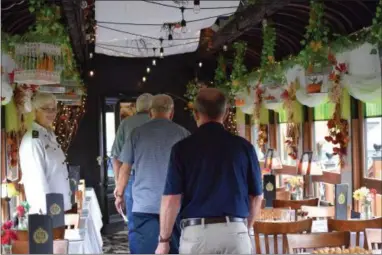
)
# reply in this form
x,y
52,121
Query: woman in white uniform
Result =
x,y
43,163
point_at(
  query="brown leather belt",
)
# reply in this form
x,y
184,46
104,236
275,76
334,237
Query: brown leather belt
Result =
x,y
195,222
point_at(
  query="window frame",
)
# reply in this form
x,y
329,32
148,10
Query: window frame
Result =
x,y
369,183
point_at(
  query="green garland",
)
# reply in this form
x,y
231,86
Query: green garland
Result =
x,y
47,29
376,30
315,52
239,70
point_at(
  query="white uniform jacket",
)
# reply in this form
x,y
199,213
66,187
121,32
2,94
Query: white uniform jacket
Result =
x,y
44,168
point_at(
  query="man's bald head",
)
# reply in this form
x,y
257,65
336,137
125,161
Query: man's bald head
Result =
x,y
211,102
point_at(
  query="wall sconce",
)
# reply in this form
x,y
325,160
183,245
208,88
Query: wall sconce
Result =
x,y
272,160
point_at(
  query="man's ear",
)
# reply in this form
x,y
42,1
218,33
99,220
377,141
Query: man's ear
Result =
x,y
172,113
226,114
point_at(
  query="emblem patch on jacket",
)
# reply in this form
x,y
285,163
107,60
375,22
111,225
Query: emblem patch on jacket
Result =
x,y
34,134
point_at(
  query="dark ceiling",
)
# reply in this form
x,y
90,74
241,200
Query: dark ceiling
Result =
x,y
343,16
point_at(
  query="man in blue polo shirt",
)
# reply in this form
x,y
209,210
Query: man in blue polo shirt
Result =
x,y
148,148
214,179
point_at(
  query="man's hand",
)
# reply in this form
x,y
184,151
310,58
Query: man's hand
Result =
x,y
163,248
119,203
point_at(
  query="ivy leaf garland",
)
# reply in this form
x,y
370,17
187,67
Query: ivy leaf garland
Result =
x,y
239,70
315,53
376,29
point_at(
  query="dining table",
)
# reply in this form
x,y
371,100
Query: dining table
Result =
x,y
87,239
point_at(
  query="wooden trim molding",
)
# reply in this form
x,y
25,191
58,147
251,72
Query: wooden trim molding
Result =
x,y
373,184
328,177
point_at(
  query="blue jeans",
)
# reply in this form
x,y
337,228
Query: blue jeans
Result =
x,y
147,233
129,214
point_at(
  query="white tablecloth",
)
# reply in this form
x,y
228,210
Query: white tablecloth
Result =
x,y
317,227
87,238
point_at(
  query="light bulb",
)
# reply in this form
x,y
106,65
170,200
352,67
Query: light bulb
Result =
x,y
196,6
225,47
200,64
91,73
154,62
148,69
170,39
91,55
144,78
183,24
184,29
161,55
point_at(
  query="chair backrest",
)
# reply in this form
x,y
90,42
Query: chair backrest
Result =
x,y
294,204
282,195
374,238
273,213
298,243
72,221
278,228
357,226
326,212
60,246
20,247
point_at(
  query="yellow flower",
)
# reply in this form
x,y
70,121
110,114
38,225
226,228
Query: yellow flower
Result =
x,y
357,195
271,59
315,46
190,105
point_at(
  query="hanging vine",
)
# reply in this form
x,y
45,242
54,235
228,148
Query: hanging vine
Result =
x,y
239,70
314,56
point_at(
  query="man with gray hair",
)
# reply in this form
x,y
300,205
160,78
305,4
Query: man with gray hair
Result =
x,y
148,149
142,106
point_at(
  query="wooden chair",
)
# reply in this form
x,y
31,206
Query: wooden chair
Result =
x,y
278,228
326,212
295,204
272,213
357,226
374,238
282,195
72,221
20,247
298,243
60,246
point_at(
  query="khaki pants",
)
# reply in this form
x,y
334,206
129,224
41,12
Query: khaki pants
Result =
x,y
220,238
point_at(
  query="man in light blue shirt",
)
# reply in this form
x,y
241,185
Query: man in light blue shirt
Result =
x,y
148,148
127,125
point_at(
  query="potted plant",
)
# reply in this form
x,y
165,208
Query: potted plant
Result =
x,y
365,196
8,235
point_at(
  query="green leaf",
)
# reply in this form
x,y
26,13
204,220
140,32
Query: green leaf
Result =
x,y
373,51
31,9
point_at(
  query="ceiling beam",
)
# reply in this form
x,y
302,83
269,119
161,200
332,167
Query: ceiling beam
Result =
x,y
245,20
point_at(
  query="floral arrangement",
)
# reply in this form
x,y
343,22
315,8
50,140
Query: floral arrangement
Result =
x,y
294,183
338,128
192,90
8,234
364,195
293,130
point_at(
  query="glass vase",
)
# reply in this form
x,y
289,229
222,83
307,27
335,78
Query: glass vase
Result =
x,y
297,194
366,213
23,223
6,249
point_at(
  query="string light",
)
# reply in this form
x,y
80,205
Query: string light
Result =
x,y
183,23
230,123
170,40
154,61
148,70
91,55
161,51
91,73
196,6
225,47
144,78
200,64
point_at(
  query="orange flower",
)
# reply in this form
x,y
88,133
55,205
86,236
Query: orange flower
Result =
x,y
316,46
190,105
